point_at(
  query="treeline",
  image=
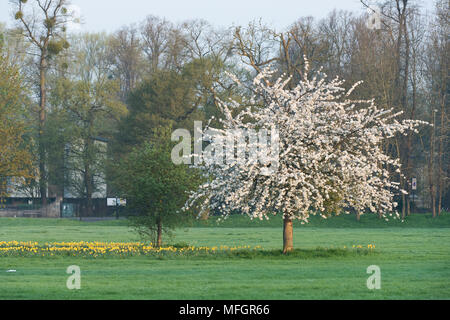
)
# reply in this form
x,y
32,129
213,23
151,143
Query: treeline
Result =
x,y
77,88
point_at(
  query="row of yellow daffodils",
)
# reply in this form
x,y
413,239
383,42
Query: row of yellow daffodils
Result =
x,y
96,249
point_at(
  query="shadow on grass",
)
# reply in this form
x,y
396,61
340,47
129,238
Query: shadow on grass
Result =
x,y
302,254
297,254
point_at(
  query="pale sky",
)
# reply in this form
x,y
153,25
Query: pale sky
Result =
x,y
109,15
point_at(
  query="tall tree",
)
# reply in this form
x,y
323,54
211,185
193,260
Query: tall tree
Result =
x,y
43,23
167,98
437,76
92,107
155,34
126,57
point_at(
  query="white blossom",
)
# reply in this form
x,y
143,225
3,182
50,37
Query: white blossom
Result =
x,y
330,154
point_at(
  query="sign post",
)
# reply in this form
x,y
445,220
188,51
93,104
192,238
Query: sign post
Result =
x,y
116,202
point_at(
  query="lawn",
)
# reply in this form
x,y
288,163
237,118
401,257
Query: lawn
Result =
x,y
414,257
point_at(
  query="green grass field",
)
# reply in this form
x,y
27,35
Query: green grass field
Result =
x,y
414,257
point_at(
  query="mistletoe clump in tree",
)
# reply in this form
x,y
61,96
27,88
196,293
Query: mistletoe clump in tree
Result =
x,y
330,156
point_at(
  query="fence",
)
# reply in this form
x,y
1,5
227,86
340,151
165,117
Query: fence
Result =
x,y
58,208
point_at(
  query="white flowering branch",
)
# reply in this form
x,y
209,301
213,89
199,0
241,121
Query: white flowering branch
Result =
x,y
329,158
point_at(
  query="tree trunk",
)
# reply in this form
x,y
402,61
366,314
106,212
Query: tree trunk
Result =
x,y
3,192
89,205
159,235
89,190
42,117
288,236
88,159
205,215
406,210
403,206
441,174
431,168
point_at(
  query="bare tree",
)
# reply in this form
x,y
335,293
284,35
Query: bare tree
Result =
x,y
336,33
126,56
436,63
256,45
155,35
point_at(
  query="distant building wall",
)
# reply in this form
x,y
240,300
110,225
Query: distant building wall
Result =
x,y
16,186
52,210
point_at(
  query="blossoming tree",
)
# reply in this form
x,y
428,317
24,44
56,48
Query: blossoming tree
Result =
x,y
329,157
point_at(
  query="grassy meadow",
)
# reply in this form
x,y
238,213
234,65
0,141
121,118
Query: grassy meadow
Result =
x,y
414,258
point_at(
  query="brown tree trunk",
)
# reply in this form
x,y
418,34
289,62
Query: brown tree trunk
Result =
x,y
205,215
431,168
3,192
89,205
441,174
406,210
89,189
412,117
288,236
88,159
42,117
159,234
